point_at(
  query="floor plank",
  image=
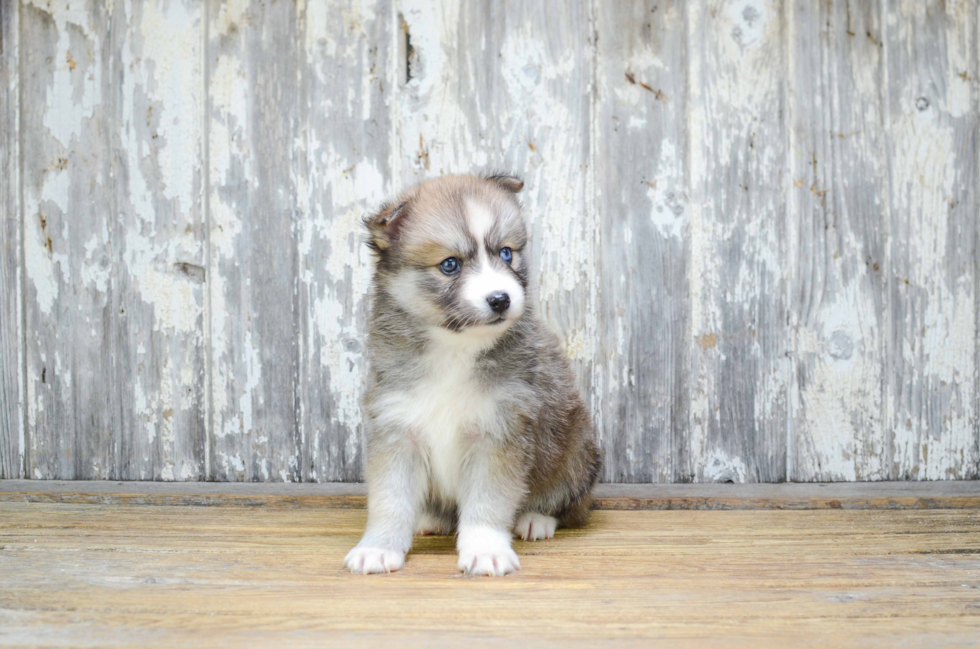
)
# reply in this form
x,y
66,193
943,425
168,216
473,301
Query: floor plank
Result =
x,y
86,575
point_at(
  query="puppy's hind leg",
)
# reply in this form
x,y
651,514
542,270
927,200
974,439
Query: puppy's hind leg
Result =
x,y
532,526
434,523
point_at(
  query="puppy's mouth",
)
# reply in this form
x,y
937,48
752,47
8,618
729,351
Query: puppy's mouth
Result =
x,y
457,326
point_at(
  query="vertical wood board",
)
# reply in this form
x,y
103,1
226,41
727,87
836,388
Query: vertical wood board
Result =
x,y
12,439
253,58
839,210
933,129
344,150
112,247
157,268
67,123
641,402
737,145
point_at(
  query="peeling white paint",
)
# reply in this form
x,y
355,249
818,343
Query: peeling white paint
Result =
x,y
232,15
667,194
536,121
188,471
232,463
40,264
718,467
171,44
74,94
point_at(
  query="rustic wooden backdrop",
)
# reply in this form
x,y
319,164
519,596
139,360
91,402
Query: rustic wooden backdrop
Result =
x,y
755,225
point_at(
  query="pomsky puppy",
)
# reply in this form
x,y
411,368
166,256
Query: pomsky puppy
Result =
x,y
475,425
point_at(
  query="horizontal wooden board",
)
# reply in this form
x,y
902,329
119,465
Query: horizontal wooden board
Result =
x,y
867,495
163,576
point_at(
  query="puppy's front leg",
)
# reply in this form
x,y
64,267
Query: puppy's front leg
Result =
x,y
490,491
395,493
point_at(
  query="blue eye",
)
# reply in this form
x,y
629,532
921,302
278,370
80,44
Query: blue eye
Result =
x,y
449,266
506,254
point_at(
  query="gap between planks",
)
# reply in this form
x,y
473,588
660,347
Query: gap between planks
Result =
x,y
963,494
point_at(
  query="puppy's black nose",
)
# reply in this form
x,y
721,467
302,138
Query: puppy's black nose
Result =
x,y
499,302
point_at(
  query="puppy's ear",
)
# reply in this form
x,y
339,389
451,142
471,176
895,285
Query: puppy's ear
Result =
x,y
384,226
510,182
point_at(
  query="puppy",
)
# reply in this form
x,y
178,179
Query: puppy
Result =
x,y
474,421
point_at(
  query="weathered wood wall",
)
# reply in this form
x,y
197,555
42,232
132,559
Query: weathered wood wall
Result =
x,y
755,225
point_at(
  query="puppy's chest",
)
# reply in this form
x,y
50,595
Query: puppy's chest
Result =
x,y
446,412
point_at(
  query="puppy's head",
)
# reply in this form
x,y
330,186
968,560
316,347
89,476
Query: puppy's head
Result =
x,y
451,253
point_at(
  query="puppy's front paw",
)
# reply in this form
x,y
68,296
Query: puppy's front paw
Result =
x,y
486,551
534,527
366,561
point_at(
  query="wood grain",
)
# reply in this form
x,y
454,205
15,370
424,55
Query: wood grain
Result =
x,y
710,496
12,439
155,261
69,227
838,193
289,269
253,52
754,226
347,89
740,372
642,387
161,576
932,254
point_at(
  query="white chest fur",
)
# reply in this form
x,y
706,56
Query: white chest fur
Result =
x,y
445,412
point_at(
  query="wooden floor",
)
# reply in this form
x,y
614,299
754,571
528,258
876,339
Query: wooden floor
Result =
x,y
270,575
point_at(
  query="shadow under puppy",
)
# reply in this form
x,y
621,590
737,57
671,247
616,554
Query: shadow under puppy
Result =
x,y
474,421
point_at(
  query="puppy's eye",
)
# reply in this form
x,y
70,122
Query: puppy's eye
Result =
x,y
506,254
449,266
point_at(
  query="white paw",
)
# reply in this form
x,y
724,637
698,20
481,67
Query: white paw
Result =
x,y
486,551
366,561
534,527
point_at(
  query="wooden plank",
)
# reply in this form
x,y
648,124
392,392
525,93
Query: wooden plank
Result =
x,y
738,143
644,254
838,201
347,80
160,576
156,264
67,208
12,440
931,50
253,52
508,85
611,498
707,496
114,252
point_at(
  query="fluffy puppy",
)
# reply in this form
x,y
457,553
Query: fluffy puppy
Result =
x,y
474,421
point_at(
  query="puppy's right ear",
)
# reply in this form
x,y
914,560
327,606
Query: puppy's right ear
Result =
x,y
510,182
384,226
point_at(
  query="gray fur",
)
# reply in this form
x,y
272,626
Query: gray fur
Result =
x,y
535,453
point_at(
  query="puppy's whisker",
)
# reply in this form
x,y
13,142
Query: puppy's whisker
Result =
x,y
453,322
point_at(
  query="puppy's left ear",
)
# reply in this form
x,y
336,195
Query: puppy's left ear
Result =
x,y
383,227
511,183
